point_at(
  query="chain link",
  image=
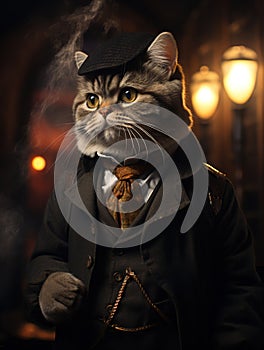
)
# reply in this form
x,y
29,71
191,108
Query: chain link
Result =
x,y
128,276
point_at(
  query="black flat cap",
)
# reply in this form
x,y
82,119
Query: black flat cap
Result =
x,y
116,51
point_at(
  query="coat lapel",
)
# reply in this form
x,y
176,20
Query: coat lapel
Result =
x,y
82,194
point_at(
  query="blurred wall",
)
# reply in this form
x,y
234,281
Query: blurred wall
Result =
x,y
209,31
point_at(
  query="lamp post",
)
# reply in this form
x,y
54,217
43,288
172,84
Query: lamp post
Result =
x,y
239,68
205,86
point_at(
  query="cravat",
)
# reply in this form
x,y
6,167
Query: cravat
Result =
x,y
122,190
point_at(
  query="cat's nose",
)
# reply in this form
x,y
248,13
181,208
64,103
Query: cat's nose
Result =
x,y
105,111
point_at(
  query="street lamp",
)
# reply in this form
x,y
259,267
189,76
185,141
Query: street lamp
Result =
x,y
205,92
205,86
239,67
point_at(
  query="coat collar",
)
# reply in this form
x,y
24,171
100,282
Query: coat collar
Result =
x,y
88,196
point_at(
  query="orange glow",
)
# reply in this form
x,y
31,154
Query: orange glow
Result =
x,y
239,68
205,92
205,101
38,163
239,79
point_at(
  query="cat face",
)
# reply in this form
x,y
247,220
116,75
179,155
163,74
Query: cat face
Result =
x,y
111,105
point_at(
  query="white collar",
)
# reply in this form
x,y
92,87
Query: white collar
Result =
x,y
147,184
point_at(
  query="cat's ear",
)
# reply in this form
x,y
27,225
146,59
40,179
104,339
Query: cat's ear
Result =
x,y
164,52
80,57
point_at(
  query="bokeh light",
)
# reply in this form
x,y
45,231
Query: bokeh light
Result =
x,y
38,163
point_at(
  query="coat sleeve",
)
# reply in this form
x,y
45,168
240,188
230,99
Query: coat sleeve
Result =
x,y
239,309
50,255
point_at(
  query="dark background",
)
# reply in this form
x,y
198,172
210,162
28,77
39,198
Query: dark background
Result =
x,y
31,33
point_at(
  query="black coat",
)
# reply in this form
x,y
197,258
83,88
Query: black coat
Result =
x,y
208,272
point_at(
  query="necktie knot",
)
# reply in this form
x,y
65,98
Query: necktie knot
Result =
x,y
123,192
126,175
130,172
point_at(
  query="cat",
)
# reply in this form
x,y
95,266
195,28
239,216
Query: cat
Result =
x,y
153,77
183,290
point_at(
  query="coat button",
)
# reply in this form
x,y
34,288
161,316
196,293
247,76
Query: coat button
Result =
x,y
117,276
118,251
89,262
109,308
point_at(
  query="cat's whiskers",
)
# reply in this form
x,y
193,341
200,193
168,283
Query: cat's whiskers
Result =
x,y
92,125
152,126
130,132
125,130
69,149
54,141
151,138
134,135
141,138
123,119
88,131
119,133
65,124
136,138
128,128
62,152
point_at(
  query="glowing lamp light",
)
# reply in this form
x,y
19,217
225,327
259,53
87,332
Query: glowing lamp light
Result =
x,y
239,67
38,163
205,87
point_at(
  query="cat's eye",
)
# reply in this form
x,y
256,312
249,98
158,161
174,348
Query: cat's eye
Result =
x,y
128,95
92,101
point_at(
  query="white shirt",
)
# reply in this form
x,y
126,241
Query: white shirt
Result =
x,y
147,185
